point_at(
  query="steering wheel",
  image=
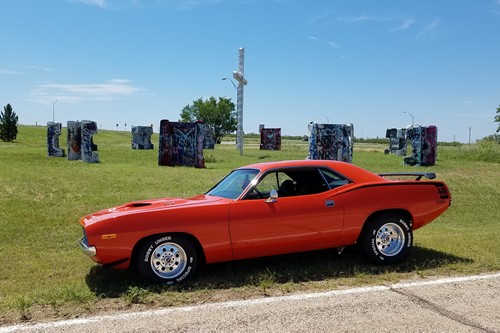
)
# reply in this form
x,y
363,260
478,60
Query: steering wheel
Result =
x,y
256,191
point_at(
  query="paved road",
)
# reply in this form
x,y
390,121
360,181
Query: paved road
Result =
x,y
462,304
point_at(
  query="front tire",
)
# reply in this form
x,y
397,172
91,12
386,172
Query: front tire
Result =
x,y
387,239
168,259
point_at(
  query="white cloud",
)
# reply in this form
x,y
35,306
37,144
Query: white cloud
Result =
x,y
9,72
333,44
330,43
429,28
405,25
173,4
43,69
113,89
360,18
318,18
402,23
186,4
98,3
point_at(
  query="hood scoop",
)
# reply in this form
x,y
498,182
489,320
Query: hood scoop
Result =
x,y
139,204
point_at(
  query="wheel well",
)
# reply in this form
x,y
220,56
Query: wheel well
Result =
x,y
376,214
194,241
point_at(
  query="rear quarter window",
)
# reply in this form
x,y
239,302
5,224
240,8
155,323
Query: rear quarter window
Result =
x,y
333,180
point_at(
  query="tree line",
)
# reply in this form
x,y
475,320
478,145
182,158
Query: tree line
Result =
x,y
219,114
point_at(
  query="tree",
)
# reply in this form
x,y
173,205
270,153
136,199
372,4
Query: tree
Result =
x,y
217,114
497,118
8,124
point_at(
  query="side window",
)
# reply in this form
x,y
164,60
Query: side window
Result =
x,y
333,179
278,181
268,183
310,181
287,186
296,182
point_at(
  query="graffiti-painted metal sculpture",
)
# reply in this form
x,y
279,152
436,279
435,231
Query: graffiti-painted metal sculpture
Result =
x,y
397,141
74,140
209,142
53,133
141,137
80,142
331,142
181,144
89,149
424,145
270,138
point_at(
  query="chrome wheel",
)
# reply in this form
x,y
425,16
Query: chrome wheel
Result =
x,y
168,260
390,239
387,238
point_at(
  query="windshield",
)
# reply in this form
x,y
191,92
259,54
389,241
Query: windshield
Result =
x,y
233,184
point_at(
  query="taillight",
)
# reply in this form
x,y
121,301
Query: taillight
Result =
x,y
443,192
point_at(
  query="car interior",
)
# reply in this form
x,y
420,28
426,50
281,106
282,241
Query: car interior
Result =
x,y
295,182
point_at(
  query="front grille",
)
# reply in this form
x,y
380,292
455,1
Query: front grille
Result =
x,y
84,239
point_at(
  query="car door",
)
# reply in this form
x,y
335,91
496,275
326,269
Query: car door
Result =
x,y
296,222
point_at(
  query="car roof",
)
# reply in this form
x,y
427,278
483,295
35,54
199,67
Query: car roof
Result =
x,y
348,170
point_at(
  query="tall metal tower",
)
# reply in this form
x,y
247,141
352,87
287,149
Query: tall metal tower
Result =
x,y
240,77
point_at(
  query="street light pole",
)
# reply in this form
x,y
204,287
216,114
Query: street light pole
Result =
x,y
53,108
412,119
234,85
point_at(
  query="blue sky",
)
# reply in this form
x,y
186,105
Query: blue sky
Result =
x,y
136,62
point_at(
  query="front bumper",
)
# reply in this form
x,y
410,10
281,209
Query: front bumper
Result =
x,y
86,248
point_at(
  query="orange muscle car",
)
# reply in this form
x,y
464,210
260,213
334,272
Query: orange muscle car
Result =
x,y
267,209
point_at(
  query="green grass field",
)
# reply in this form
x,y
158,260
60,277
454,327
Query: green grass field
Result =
x,y
43,274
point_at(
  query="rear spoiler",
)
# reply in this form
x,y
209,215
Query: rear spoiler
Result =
x,y
419,175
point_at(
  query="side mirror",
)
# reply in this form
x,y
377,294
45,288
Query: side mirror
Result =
x,y
273,196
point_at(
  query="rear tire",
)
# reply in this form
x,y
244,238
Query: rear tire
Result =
x,y
387,239
168,259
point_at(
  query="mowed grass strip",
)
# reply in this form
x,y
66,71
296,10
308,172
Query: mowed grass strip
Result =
x,y
44,275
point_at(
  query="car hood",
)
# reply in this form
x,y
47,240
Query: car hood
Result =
x,y
136,207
